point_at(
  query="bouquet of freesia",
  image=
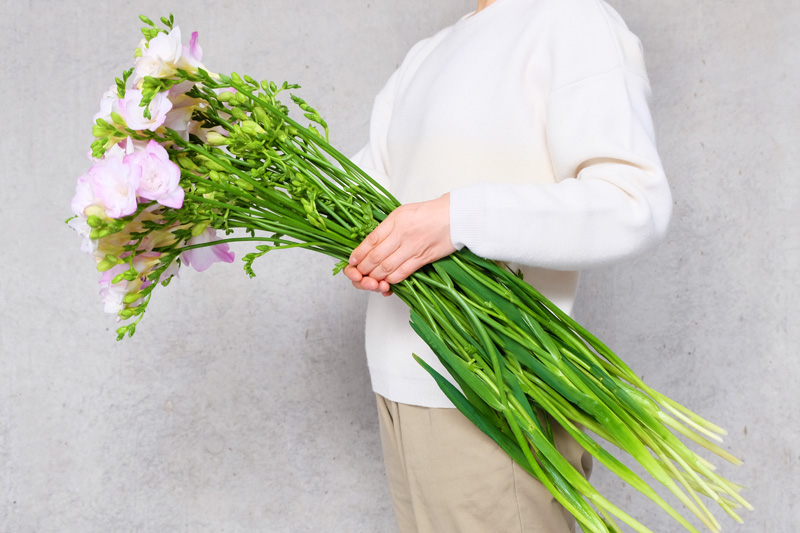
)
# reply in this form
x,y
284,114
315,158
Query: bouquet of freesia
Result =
x,y
183,158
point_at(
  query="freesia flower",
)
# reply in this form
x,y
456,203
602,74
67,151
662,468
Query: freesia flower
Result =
x,y
109,103
202,258
114,244
158,238
172,270
80,226
112,294
179,117
159,57
160,177
165,53
84,196
133,112
192,54
114,186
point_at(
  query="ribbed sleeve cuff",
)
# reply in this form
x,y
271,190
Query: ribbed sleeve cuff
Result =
x,y
468,216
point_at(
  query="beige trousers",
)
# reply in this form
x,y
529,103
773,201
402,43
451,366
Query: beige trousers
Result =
x,y
446,476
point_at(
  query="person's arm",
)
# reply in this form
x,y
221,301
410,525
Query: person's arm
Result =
x,y
610,200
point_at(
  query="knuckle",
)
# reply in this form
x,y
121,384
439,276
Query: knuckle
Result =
x,y
387,266
400,274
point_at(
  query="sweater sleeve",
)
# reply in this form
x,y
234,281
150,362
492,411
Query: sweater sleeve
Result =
x,y
610,199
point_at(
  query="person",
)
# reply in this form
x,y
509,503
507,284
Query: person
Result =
x,y
522,132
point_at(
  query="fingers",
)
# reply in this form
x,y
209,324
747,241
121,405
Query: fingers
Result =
x,y
389,245
406,269
366,283
353,274
412,236
373,240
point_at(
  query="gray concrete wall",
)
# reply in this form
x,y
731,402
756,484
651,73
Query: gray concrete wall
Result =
x,y
244,405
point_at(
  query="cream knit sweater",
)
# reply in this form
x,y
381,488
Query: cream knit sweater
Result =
x,y
533,114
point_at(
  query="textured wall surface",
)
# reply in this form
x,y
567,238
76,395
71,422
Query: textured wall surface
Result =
x,y
244,405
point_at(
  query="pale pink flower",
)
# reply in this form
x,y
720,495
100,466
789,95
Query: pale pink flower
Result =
x,y
109,103
114,186
84,196
172,270
112,294
145,263
183,107
157,239
192,55
133,113
164,54
202,258
160,177
80,226
159,57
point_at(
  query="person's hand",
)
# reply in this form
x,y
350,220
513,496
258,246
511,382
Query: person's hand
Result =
x,y
412,236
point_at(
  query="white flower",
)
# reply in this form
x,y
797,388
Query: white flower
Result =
x,y
159,57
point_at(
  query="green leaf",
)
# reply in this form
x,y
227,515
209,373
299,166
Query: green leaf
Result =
x,y
461,403
440,349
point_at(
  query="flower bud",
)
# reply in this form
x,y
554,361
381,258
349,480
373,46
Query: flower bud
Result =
x,y
117,118
216,139
186,162
242,184
95,210
261,115
225,96
94,221
132,297
252,128
213,165
238,114
106,264
199,228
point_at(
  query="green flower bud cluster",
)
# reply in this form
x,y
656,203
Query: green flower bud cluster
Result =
x,y
151,87
312,115
103,227
153,30
108,134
